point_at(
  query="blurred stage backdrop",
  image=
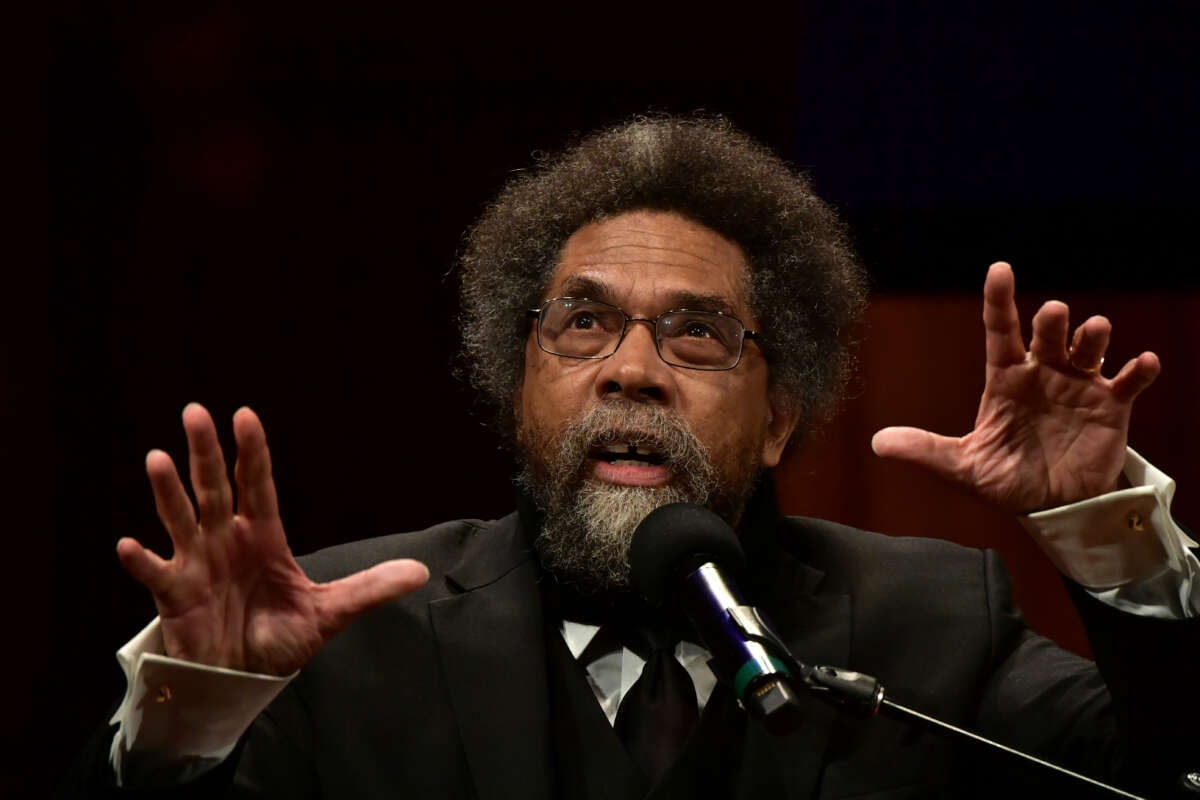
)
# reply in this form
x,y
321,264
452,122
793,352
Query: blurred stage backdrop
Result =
x,y
263,206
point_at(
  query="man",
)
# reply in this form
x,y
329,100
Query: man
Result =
x,y
656,315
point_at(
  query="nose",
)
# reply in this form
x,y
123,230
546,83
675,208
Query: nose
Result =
x,y
635,371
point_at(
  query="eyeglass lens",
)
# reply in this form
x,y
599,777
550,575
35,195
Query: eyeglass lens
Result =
x,y
591,329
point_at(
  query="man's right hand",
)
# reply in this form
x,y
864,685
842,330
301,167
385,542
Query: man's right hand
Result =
x,y
232,595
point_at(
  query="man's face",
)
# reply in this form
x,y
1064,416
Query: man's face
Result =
x,y
701,436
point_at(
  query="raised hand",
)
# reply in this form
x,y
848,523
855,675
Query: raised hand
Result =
x,y
1051,429
232,595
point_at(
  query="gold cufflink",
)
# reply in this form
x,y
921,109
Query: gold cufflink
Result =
x,y
1135,521
164,694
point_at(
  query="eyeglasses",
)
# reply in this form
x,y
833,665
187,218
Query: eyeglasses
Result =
x,y
576,327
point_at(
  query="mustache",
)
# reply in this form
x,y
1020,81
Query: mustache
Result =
x,y
556,461
645,426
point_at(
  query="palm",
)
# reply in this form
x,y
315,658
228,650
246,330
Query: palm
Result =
x,y
239,598
1041,435
232,595
1047,432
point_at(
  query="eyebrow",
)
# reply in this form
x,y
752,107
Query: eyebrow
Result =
x,y
703,302
584,286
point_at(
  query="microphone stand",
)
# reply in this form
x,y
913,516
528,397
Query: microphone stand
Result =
x,y
864,695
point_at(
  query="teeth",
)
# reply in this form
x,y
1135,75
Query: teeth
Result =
x,y
625,454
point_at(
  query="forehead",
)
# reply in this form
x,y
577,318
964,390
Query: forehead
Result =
x,y
657,259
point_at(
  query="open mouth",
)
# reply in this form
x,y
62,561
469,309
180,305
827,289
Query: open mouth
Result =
x,y
625,454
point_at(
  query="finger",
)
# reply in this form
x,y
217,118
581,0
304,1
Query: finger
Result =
x,y
170,499
1135,376
339,602
1089,344
206,462
1001,324
256,487
940,454
143,566
1049,344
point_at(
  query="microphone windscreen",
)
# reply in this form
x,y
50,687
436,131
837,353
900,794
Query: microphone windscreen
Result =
x,y
674,540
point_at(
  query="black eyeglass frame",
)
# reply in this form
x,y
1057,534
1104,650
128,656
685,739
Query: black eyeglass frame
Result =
x,y
747,334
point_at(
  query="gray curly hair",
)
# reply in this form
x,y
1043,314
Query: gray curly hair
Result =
x,y
806,285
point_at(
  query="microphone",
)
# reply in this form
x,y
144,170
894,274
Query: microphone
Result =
x,y
687,553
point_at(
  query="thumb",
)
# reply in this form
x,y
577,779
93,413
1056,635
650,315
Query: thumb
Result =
x,y
937,453
340,601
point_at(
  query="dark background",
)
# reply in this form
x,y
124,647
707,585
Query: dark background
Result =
x,y
262,206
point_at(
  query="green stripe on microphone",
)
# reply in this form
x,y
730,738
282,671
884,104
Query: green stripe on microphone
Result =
x,y
748,671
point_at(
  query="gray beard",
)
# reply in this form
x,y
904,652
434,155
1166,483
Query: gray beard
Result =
x,y
589,525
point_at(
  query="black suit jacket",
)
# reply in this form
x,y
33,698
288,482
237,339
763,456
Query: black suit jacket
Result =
x,y
443,693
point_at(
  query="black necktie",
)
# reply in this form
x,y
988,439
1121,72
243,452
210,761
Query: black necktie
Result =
x,y
659,711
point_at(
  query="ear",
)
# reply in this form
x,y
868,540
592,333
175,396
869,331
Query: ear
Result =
x,y
781,422
518,395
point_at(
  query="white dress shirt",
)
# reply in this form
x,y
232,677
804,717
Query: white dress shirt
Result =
x,y
611,675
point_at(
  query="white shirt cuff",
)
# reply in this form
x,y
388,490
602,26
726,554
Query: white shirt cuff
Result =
x,y
1123,546
180,719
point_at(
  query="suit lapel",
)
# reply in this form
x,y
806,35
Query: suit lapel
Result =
x,y
816,627
491,645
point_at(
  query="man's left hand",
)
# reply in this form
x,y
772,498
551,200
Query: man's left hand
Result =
x,y
1051,429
